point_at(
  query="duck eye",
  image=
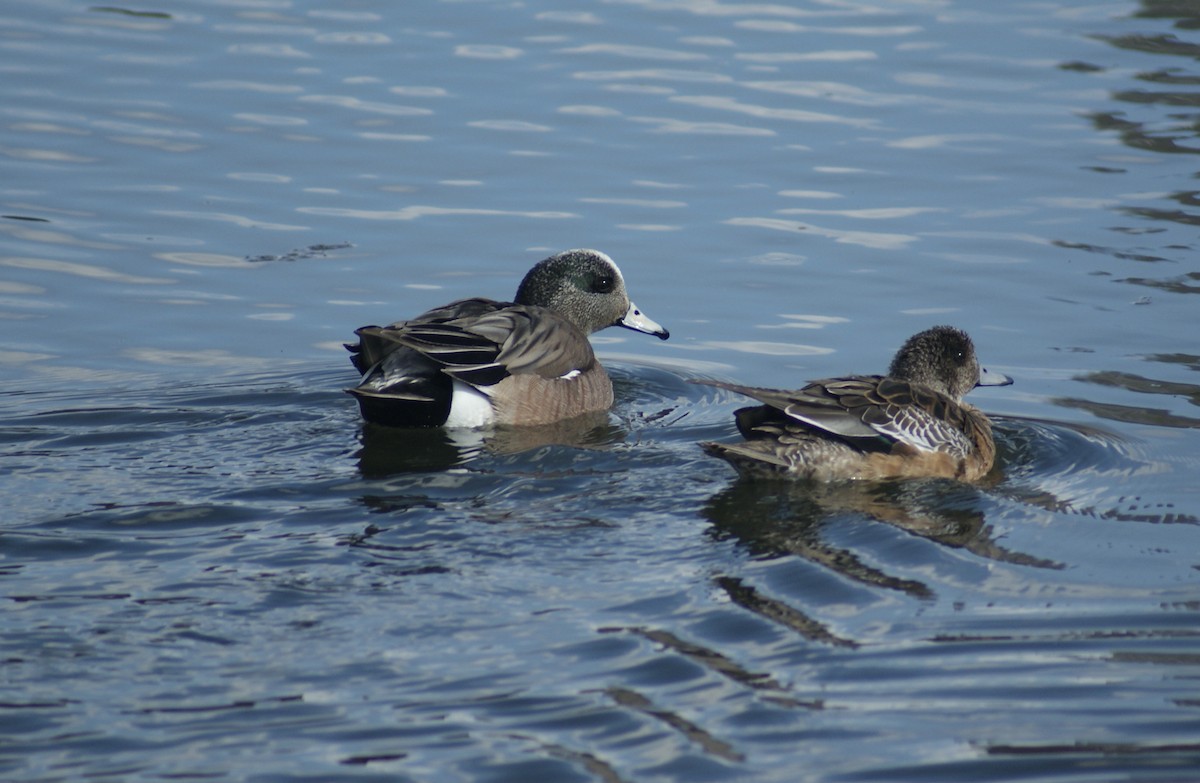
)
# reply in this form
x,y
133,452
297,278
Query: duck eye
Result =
x,y
604,284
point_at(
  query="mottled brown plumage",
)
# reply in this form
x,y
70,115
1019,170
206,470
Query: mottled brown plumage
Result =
x,y
910,422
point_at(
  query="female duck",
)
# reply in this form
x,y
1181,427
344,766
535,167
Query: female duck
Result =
x,y
911,422
477,361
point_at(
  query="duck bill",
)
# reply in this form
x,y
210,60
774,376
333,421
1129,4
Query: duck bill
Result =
x,y
989,378
634,319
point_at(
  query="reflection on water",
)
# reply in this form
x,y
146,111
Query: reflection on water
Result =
x,y
1183,284
1139,384
783,517
389,450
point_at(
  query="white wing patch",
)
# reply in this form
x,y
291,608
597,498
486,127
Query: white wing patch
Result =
x,y
469,407
572,374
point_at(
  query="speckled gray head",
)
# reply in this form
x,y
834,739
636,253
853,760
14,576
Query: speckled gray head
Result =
x,y
587,288
943,358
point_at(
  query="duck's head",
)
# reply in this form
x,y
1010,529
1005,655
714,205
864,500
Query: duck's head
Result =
x,y
943,358
585,287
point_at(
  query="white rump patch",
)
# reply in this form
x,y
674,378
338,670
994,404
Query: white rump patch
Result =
x,y
469,407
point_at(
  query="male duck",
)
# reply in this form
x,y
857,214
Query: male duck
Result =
x,y
911,422
477,361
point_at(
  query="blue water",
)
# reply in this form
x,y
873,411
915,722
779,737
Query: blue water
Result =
x,y
209,568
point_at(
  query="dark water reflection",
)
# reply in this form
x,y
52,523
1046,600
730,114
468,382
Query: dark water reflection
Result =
x,y
1138,384
389,450
791,524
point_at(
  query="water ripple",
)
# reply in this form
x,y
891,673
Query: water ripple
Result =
x,y
371,107
488,52
723,103
673,125
422,211
237,220
833,55
635,52
655,74
208,564
89,271
871,239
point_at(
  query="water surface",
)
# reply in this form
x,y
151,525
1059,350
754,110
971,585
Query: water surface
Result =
x,y
211,569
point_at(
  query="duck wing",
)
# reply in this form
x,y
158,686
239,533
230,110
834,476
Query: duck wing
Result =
x,y
483,347
870,407
376,342
914,415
